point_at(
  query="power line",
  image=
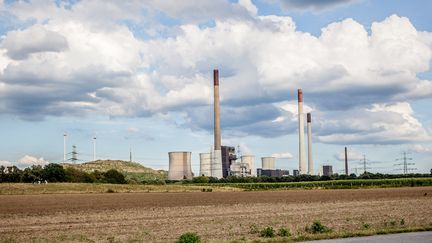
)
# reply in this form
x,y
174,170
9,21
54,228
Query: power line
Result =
x,y
405,164
365,162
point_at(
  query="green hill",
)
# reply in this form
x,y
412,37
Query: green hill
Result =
x,y
133,171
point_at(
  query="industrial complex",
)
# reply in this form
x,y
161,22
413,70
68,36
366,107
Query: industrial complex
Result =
x,y
222,161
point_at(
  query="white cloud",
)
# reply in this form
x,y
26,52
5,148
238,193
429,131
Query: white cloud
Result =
x,y
107,68
5,163
285,155
29,160
352,154
19,44
381,124
420,148
312,5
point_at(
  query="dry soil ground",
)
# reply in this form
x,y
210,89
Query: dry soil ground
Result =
x,y
215,216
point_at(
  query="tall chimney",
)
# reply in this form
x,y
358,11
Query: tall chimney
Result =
x,y
346,161
302,162
216,164
217,130
309,134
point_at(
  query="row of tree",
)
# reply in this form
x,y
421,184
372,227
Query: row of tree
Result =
x,y
235,179
56,173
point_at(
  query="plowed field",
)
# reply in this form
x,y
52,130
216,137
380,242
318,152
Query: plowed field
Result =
x,y
215,216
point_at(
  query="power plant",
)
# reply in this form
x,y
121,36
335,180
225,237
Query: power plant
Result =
x,y
221,161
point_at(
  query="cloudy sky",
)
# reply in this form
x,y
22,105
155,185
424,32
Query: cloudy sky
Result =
x,y
138,74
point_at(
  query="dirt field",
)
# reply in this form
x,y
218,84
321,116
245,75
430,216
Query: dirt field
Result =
x,y
215,216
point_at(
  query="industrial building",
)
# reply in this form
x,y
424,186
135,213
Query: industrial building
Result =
x,y
272,173
327,170
228,158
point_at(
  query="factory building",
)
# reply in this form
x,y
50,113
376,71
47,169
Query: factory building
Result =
x,y
228,158
327,170
272,172
245,167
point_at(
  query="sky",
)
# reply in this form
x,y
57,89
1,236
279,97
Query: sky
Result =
x,y
137,75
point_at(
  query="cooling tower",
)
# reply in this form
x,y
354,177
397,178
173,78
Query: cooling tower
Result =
x,y
250,160
205,162
309,137
268,163
179,166
302,162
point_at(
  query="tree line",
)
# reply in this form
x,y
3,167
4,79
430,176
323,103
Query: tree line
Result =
x,y
56,173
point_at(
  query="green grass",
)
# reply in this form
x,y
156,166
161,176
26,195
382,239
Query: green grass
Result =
x,y
58,188
344,234
336,184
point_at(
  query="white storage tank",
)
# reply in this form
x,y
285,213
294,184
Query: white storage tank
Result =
x,y
268,163
205,164
250,160
179,166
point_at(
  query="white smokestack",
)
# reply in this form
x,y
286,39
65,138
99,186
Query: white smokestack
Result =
x,y
309,134
302,162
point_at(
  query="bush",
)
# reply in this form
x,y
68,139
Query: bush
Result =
x,y
54,173
317,228
268,232
366,226
284,232
189,237
114,177
200,179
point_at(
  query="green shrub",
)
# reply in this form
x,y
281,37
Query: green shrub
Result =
x,y
200,179
402,222
366,226
189,237
317,228
284,232
268,232
114,177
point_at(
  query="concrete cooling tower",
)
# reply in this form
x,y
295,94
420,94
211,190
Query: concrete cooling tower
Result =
x,y
250,160
205,164
268,163
179,166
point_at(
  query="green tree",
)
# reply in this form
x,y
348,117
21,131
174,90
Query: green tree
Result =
x,y
54,173
114,177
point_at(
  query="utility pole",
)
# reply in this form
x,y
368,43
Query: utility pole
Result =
x,y
130,154
74,154
364,162
405,164
64,147
94,148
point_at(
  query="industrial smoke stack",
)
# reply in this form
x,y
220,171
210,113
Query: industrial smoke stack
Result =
x,y
216,165
309,134
302,162
346,161
217,130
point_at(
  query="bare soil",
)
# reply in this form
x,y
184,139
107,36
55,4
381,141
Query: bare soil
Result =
x,y
215,216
